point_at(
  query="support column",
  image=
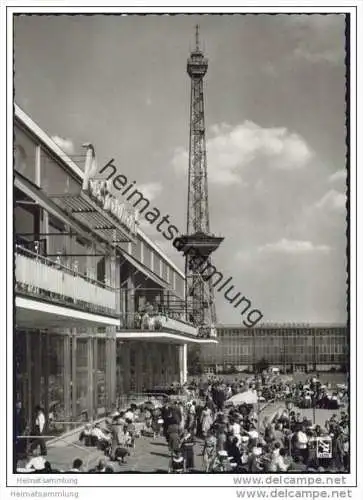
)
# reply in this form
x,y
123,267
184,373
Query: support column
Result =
x,y
130,302
30,378
37,365
46,372
67,377
156,364
90,377
149,367
183,358
111,371
138,367
126,371
169,364
74,374
94,344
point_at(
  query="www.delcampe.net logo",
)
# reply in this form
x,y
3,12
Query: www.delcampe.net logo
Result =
x,y
324,447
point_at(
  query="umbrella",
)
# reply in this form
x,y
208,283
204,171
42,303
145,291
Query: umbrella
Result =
x,y
248,397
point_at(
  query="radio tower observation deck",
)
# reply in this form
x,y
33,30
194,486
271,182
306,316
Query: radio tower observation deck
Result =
x,y
199,290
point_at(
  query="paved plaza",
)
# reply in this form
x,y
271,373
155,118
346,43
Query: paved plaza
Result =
x,y
150,455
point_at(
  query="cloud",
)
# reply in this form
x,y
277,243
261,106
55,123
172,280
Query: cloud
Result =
x,y
296,247
150,190
232,149
319,38
65,144
338,176
332,201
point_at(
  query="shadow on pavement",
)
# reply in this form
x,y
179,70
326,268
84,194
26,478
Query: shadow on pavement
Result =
x,y
159,454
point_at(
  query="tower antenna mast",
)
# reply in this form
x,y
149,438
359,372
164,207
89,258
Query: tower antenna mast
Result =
x,y
200,306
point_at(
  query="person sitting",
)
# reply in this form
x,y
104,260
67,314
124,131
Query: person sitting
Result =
x,y
297,466
221,462
77,466
234,451
101,439
36,463
120,454
86,435
129,415
101,467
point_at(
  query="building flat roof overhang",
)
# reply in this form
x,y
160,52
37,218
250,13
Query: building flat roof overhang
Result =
x,y
87,212
37,314
162,337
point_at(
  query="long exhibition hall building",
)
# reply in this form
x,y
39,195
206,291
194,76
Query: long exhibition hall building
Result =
x,y
99,308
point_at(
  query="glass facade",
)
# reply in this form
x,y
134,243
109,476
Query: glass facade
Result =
x,y
164,273
54,179
81,383
279,346
147,256
179,285
25,151
156,264
136,250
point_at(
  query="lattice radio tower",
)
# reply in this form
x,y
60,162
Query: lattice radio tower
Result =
x,y
199,292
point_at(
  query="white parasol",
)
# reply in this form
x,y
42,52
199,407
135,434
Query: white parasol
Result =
x,y
248,398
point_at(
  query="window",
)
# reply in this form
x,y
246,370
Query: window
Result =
x,y
79,249
136,250
164,274
24,222
179,285
57,241
156,264
53,177
24,155
81,375
147,256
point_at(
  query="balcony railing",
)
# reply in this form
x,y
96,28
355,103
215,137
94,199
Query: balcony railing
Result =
x,y
162,322
207,332
155,322
43,278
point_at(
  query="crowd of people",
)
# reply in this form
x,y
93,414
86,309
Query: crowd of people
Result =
x,y
230,438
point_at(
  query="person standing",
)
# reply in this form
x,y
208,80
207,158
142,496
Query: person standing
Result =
x,y
39,428
20,426
209,450
187,447
206,420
